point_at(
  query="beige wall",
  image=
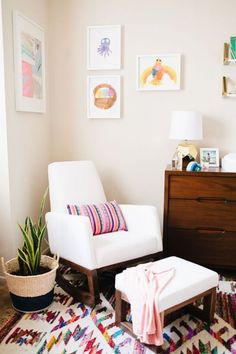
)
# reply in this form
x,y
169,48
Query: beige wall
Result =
x,y
28,135
131,153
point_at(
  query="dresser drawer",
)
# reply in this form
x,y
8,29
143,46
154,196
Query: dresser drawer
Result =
x,y
193,187
200,216
212,248
204,213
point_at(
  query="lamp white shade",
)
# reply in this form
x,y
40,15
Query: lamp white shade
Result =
x,y
186,125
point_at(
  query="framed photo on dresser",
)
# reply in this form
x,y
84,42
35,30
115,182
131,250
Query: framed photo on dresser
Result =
x,y
210,156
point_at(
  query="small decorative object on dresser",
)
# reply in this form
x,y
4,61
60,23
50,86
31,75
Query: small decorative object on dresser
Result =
x,y
199,217
193,166
209,156
229,162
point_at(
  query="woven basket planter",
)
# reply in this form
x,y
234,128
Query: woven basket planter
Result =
x,y
31,293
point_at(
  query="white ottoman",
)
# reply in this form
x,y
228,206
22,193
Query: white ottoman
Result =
x,y
190,282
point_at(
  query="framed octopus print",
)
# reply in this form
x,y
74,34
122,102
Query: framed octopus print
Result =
x,y
103,96
103,47
158,72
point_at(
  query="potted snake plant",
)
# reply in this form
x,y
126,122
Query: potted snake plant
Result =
x,y
31,276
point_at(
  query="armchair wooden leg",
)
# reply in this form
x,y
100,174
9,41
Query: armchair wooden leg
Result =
x,y
93,286
89,294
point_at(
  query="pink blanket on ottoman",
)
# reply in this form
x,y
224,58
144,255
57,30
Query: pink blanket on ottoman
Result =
x,y
143,285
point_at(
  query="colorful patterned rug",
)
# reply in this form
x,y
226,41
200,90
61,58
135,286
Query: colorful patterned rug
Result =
x,y
72,328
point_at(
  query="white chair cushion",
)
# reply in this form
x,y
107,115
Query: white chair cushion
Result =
x,y
120,246
190,279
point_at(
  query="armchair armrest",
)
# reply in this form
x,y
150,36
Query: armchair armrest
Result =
x,y
71,237
142,219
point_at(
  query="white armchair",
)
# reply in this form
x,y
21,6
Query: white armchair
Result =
x,y
77,182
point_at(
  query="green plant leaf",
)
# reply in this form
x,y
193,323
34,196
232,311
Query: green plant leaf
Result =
x,y
33,233
28,243
22,266
42,205
37,258
40,240
25,262
29,255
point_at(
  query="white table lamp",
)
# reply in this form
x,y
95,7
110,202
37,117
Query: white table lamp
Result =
x,y
186,125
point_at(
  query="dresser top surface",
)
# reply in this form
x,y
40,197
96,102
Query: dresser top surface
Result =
x,y
216,171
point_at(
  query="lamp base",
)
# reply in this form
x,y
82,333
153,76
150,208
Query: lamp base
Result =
x,y
185,153
185,149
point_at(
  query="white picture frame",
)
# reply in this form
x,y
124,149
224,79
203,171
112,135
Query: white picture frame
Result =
x,y
209,156
29,60
103,96
158,72
104,47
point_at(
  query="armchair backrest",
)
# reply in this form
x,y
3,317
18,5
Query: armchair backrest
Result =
x,y
74,182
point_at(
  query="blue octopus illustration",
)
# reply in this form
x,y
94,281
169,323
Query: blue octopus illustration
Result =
x,y
104,49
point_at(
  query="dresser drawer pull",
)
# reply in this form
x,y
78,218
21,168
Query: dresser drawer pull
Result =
x,y
230,201
211,231
215,200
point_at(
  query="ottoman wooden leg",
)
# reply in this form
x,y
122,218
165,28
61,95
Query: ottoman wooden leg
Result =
x,y
162,317
209,303
119,314
121,309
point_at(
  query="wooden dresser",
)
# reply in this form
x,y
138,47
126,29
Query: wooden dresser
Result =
x,y
200,217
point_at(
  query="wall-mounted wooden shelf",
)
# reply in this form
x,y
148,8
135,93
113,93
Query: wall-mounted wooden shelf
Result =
x,y
231,95
227,61
231,61
224,89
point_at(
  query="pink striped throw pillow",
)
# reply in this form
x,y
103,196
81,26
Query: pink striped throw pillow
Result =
x,y
104,217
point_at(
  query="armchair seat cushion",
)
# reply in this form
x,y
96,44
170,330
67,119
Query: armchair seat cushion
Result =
x,y
116,247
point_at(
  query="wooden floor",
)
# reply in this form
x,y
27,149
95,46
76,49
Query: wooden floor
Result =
x,y
6,309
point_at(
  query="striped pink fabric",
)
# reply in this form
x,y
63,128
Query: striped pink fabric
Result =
x,y
104,217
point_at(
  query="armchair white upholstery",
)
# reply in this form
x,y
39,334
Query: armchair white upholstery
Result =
x,y
77,182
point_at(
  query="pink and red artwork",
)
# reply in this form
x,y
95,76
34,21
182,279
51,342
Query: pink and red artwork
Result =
x,y
27,77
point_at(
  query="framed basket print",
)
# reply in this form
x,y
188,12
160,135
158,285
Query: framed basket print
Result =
x,y
103,47
159,72
103,96
29,57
